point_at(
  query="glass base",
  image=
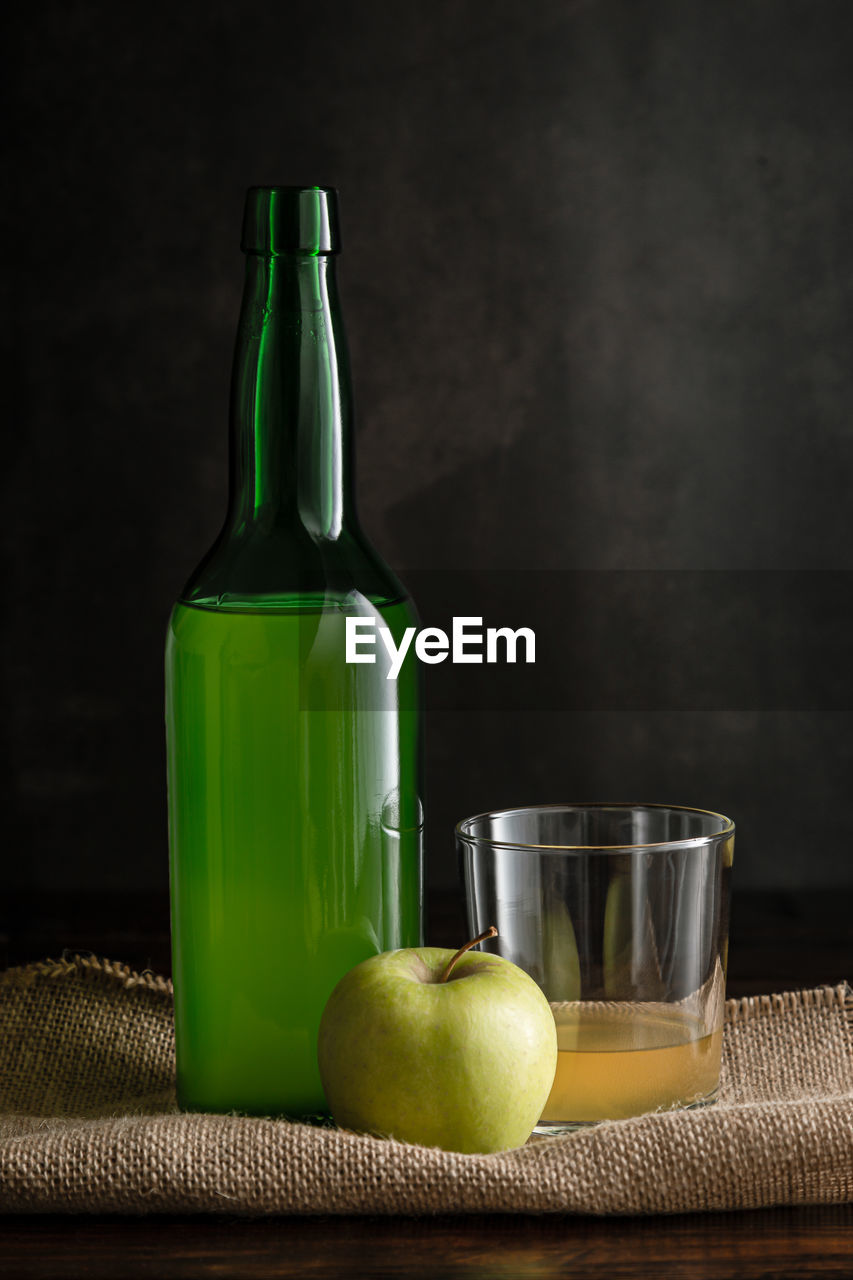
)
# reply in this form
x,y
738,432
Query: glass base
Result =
x,y
552,1128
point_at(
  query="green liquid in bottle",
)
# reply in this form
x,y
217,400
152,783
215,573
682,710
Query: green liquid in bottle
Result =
x,y
295,819
293,845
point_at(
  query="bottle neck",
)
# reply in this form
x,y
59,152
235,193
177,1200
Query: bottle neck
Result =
x,y
290,400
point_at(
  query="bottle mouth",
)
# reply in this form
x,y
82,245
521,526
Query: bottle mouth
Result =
x,y
282,220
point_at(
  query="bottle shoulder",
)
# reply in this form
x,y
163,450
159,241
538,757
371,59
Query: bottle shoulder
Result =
x,y
279,568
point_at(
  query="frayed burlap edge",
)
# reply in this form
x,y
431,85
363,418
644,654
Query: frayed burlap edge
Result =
x,y
88,965
839,995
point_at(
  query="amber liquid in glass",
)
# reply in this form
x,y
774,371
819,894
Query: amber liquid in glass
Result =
x,y
620,1060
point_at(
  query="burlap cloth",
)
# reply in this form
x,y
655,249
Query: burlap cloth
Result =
x,y
89,1123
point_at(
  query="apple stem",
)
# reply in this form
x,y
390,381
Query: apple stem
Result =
x,y
491,932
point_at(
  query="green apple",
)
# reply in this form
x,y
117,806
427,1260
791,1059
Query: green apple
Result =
x,y
439,1049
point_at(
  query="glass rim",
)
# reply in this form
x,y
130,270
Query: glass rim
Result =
x,y
689,842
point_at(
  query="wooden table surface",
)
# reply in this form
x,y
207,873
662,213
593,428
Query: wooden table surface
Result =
x,y
779,942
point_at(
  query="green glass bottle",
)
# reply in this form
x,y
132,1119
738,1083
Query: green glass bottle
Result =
x,y
295,818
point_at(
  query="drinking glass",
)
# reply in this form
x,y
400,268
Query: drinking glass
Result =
x,y
620,913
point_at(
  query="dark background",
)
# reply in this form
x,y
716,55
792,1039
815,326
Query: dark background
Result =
x,y
597,278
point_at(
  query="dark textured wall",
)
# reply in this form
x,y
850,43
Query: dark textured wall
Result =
x,y
597,279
